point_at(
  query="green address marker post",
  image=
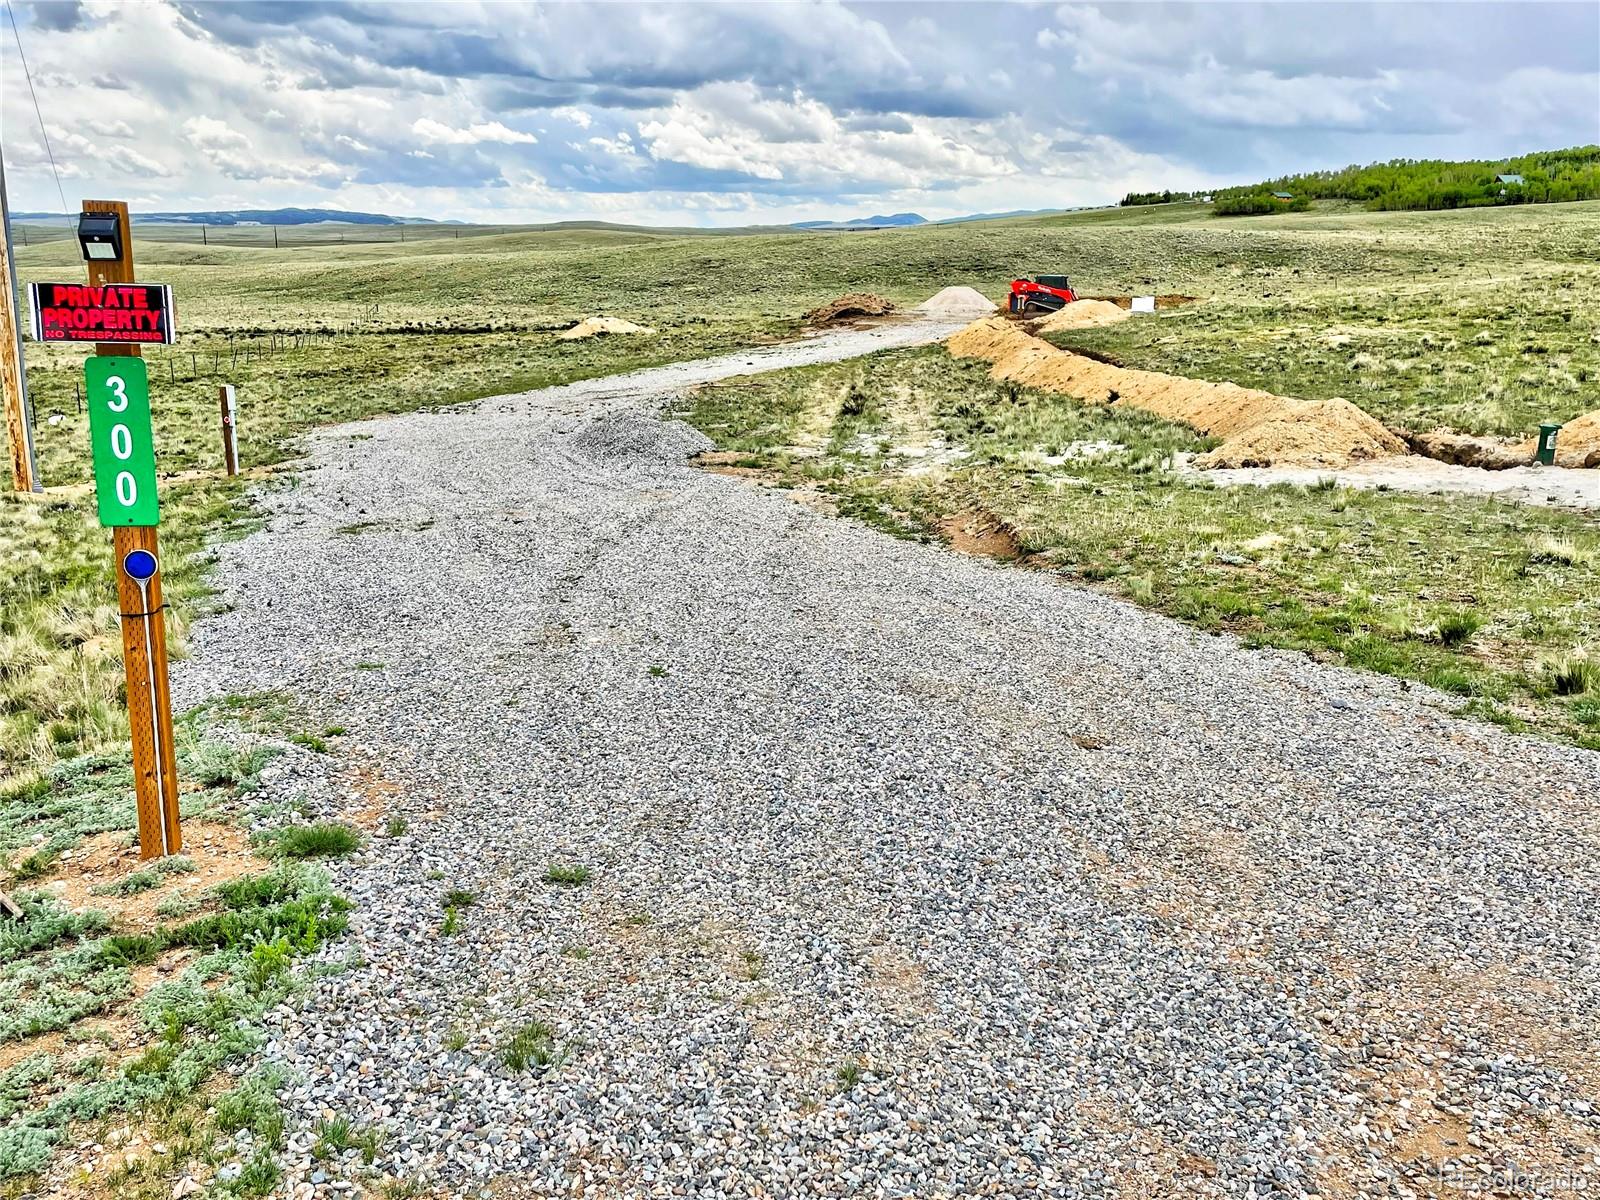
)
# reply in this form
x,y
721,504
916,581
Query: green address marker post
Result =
x,y
119,434
118,399
117,391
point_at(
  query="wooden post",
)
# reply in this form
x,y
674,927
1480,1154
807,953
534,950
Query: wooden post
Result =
x,y
144,625
13,375
230,432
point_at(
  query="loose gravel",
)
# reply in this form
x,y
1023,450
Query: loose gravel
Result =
x,y
909,875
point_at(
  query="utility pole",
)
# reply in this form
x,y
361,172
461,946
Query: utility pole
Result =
x,y
13,374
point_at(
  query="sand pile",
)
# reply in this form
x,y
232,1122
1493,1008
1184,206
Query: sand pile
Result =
x,y
1306,433
590,326
957,302
846,308
1259,428
1578,443
992,338
1082,313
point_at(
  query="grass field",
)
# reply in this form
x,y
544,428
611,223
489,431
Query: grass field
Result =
x,y
125,987
1486,320
1497,604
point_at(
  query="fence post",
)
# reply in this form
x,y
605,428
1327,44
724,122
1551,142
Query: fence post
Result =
x,y
230,431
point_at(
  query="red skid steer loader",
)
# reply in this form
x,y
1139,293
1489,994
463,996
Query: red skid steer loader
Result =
x,y
1042,294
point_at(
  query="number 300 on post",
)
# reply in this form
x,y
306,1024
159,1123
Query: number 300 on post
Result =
x,y
119,432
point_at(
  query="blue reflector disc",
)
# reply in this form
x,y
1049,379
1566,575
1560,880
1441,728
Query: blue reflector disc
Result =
x,y
139,564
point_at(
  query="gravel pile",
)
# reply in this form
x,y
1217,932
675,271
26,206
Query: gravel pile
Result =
x,y
958,302
629,437
908,875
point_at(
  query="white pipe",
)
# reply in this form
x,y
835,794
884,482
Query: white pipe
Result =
x,y
155,716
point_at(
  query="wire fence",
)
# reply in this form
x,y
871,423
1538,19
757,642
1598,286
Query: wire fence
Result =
x,y
282,237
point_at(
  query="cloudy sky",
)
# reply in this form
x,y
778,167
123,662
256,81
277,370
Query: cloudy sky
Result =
x,y
772,112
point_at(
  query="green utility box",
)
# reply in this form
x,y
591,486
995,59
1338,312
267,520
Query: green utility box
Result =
x,y
1547,443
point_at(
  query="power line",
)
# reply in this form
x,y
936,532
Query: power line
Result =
x,y
28,75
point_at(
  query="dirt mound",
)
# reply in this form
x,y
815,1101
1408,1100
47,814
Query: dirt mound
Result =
x,y
1260,428
590,326
958,302
1306,433
1081,313
1578,443
992,338
978,532
847,308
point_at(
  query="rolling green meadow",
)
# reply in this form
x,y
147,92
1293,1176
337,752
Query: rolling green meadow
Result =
x,y
1491,603
1484,320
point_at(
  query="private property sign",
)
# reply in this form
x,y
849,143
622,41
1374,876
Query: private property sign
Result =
x,y
140,313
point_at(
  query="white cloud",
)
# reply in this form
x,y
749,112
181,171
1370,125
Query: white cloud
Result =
x,y
472,135
699,113
208,133
620,146
134,163
731,127
235,157
576,115
69,144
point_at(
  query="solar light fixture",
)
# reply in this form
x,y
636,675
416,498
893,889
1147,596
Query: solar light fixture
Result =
x,y
100,235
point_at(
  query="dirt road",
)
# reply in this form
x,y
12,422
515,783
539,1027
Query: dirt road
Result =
x,y
907,874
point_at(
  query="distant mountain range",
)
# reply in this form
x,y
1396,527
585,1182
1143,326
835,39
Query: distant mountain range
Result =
x,y
895,219
314,216
995,216
258,216
900,220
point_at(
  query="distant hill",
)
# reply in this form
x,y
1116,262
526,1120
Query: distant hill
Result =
x,y
996,216
1544,177
893,220
1540,178
257,216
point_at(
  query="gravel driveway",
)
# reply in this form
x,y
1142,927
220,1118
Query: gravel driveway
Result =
x,y
909,875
